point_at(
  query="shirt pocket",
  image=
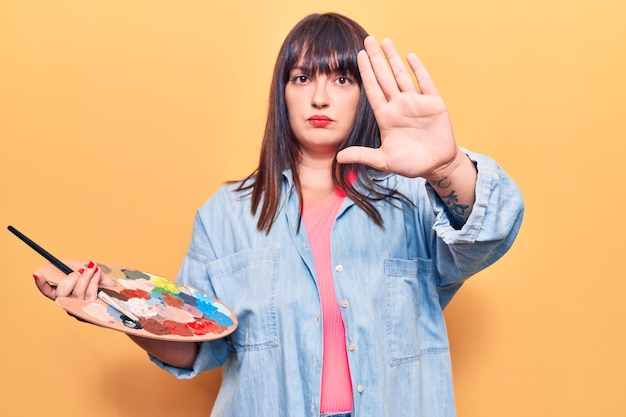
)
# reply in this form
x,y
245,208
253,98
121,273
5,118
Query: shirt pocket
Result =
x,y
246,282
403,302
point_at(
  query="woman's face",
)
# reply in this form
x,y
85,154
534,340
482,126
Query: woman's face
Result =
x,y
322,109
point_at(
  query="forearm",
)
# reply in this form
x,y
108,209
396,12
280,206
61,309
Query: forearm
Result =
x,y
456,186
178,354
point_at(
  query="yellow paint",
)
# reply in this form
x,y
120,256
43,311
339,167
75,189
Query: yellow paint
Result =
x,y
119,118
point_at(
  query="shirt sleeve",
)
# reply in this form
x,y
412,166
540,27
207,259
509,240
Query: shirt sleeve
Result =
x,y
488,233
193,271
207,359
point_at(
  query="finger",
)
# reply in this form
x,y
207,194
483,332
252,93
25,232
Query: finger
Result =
x,y
374,93
66,286
424,81
363,155
91,292
380,67
400,71
80,289
43,286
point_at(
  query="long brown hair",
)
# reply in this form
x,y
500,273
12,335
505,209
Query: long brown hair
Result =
x,y
324,43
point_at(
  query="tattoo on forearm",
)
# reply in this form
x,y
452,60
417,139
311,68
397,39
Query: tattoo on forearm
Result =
x,y
451,200
441,183
452,203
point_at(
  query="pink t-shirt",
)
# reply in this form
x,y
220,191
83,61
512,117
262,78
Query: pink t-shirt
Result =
x,y
336,384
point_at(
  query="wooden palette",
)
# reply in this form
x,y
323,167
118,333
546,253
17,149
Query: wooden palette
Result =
x,y
164,309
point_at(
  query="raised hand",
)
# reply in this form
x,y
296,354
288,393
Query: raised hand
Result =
x,y
416,132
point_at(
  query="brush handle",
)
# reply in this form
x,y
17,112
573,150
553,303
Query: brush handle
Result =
x,y
54,261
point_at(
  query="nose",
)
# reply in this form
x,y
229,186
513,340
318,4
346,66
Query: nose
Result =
x,y
319,99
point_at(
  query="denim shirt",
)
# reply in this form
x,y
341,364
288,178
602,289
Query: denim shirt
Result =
x,y
391,282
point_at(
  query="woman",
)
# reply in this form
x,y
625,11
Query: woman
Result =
x,y
339,253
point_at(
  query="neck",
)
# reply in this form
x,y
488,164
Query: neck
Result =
x,y
316,178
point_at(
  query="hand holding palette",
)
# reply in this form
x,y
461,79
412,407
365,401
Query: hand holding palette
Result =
x,y
141,303
148,305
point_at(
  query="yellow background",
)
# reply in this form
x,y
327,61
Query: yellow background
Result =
x,y
119,118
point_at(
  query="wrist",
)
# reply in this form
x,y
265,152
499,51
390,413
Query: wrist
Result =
x,y
442,175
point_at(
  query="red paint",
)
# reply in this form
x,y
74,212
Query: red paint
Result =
x,y
203,326
175,327
135,294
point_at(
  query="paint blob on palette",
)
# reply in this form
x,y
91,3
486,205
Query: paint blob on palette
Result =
x,y
149,305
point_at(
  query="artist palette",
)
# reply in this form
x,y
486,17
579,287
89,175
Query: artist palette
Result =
x,y
148,305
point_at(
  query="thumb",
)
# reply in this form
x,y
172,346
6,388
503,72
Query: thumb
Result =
x,y
362,155
43,286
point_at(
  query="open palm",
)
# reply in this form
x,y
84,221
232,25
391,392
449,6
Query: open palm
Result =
x,y
416,133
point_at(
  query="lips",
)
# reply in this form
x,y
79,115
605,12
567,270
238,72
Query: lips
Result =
x,y
319,121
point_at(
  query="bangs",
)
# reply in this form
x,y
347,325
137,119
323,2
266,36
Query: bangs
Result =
x,y
325,45
321,57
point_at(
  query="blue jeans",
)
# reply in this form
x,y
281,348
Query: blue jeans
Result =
x,y
335,415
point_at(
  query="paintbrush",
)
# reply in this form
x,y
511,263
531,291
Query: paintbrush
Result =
x,y
127,317
113,303
54,261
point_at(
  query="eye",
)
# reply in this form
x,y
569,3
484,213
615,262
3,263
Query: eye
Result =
x,y
300,79
343,80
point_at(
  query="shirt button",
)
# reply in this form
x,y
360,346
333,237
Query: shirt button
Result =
x,y
305,246
345,303
339,268
359,388
352,347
